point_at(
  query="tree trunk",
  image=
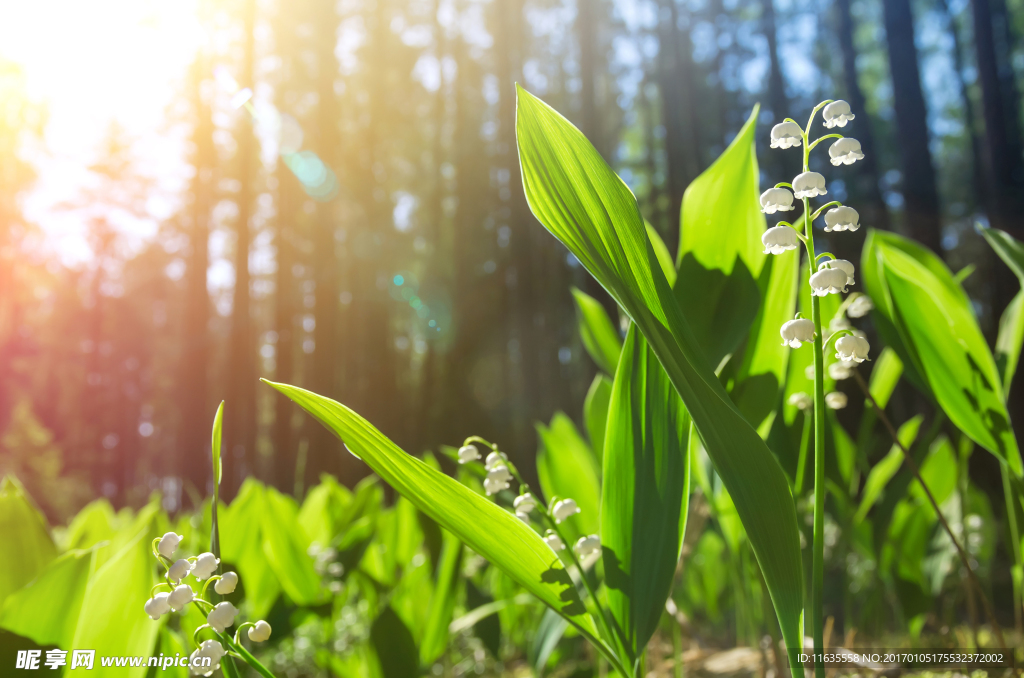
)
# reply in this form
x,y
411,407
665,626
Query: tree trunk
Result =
x,y
920,195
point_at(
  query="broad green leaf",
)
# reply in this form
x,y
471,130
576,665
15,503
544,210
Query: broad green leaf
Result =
x,y
885,375
395,646
323,510
490,531
936,322
286,547
721,216
27,542
645,491
1010,340
577,197
96,522
242,547
597,331
549,632
112,620
595,412
664,257
567,468
442,602
1009,249
882,472
46,610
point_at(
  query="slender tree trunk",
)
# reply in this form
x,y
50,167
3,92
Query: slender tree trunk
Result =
x,y
325,452
196,416
240,406
920,194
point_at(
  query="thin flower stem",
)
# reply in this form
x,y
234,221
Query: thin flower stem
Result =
x,y
207,584
1011,516
912,465
820,139
195,634
478,439
239,630
247,657
152,591
834,336
817,212
824,254
784,184
805,439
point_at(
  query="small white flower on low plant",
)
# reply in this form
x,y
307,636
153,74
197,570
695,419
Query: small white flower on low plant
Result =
x,y
497,479
842,218
222,616
226,584
157,606
168,544
776,200
809,185
213,650
206,565
180,597
852,348
860,306
778,239
845,152
179,570
837,114
564,508
553,541
259,632
800,400
843,265
842,369
468,453
588,549
828,281
493,459
835,400
787,134
797,332
524,503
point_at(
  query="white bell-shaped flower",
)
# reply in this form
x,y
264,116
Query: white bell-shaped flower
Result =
x,y
179,570
180,597
852,348
787,134
553,541
564,508
860,306
776,200
845,151
797,332
828,281
468,453
212,649
843,265
809,185
524,503
259,632
157,606
493,459
837,114
842,218
836,400
800,400
588,550
778,239
222,616
497,479
206,565
168,544
842,369
226,584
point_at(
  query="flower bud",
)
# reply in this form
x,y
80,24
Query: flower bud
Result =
x,y
179,570
787,134
226,584
797,332
842,218
776,200
206,565
564,508
800,400
852,348
468,453
835,400
259,632
168,544
809,185
157,606
837,114
553,541
524,503
180,597
778,239
222,616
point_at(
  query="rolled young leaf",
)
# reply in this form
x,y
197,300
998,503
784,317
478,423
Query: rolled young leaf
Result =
x,y
578,198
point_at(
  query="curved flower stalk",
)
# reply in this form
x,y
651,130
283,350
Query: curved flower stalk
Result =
x,y
827,275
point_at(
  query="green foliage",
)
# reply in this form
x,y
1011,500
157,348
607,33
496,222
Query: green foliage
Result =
x,y
46,610
577,197
882,472
26,538
645,491
597,331
595,412
1011,324
566,467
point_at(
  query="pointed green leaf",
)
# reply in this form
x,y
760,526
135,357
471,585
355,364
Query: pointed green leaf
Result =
x,y
595,412
26,535
442,602
576,196
46,610
645,491
492,532
597,331
882,472
567,468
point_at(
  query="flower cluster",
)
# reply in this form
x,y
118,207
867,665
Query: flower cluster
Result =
x,y
219,617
